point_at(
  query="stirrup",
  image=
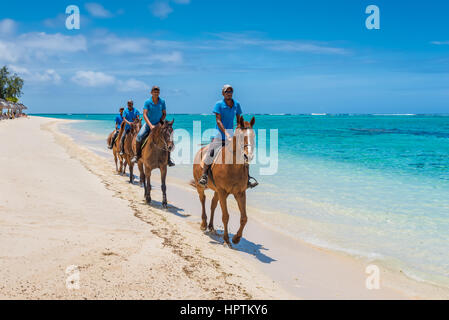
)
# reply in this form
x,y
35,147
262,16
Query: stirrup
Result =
x,y
171,163
251,184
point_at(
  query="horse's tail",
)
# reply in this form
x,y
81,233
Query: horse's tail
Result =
x,y
109,139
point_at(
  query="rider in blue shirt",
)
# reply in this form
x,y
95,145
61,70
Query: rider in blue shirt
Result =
x,y
129,116
118,122
225,111
154,113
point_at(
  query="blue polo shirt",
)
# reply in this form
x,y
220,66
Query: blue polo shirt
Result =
x,y
118,120
154,110
227,115
130,116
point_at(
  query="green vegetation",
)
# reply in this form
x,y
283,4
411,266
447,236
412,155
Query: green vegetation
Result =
x,y
10,85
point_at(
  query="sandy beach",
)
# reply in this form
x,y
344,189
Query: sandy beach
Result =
x,y
62,205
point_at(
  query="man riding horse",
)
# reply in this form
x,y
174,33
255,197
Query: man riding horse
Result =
x,y
225,111
129,116
118,122
154,113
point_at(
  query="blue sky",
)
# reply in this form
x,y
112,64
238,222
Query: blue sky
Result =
x,y
281,56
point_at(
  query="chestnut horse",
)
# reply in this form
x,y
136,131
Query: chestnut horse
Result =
x,y
116,150
155,156
228,178
130,140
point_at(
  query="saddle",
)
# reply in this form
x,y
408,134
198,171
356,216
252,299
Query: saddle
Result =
x,y
216,154
144,142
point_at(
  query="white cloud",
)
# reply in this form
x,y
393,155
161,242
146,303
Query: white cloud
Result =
x,y
19,70
48,75
7,26
39,46
161,9
234,40
132,85
174,57
53,42
93,79
439,43
7,52
114,45
57,22
97,10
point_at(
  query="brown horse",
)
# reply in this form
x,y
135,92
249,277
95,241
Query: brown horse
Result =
x,y
116,150
155,156
130,141
229,176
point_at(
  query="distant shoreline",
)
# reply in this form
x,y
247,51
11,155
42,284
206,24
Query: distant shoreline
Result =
x,y
268,114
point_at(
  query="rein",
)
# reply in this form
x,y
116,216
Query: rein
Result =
x,y
165,148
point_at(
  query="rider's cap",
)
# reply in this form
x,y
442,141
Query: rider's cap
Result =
x,y
130,101
154,88
226,87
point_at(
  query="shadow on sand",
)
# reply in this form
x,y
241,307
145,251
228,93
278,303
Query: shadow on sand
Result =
x,y
179,212
244,246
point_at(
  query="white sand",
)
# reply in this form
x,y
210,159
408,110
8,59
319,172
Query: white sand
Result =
x,y
62,205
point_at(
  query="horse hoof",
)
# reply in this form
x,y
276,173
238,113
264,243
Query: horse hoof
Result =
x,y
236,240
212,231
227,245
165,205
203,227
148,200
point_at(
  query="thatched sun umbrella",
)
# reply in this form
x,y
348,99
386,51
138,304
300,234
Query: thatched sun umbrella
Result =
x,y
21,107
3,105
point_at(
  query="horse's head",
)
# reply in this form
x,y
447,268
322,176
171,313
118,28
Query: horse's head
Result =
x,y
135,126
245,137
164,136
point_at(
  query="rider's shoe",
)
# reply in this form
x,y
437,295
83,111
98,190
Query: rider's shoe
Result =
x,y
136,158
203,180
252,184
171,163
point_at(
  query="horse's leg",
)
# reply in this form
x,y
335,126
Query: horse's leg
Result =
x,y
115,159
164,186
213,206
241,201
202,196
131,170
148,185
142,173
222,196
124,166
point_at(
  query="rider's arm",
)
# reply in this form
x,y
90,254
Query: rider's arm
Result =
x,y
164,115
221,126
126,121
238,113
145,117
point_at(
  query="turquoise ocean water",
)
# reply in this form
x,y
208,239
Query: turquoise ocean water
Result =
x,y
374,186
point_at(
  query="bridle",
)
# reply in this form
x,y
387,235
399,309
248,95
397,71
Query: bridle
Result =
x,y
164,148
245,156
